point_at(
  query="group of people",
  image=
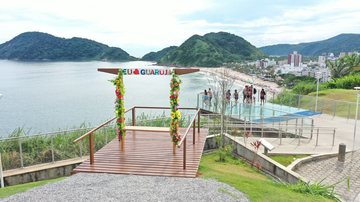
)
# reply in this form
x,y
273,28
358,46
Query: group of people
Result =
x,y
249,95
208,95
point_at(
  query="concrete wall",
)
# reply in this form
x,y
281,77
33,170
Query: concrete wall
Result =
x,y
267,164
43,174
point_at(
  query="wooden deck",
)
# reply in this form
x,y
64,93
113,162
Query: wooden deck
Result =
x,y
148,153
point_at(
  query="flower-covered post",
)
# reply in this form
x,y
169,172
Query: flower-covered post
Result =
x,y
175,113
119,106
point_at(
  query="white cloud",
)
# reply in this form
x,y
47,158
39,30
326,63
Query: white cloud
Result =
x,y
139,26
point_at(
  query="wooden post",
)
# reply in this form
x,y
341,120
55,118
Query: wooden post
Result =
x,y
184,154
91,148
194,126
199,121
342,152
174,148
1,174
133,116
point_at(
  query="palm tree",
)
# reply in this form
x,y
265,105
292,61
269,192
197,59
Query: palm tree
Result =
x,y
352,61
338,68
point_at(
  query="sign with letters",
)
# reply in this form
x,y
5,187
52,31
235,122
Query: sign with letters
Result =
x,y
140,71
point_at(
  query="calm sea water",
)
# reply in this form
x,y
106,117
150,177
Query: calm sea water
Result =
x,y
48,96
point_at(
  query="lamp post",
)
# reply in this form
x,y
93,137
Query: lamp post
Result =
x,y
356,114
317,89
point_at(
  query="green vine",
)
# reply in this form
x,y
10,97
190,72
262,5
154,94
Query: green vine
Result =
x,y
119,105
174,103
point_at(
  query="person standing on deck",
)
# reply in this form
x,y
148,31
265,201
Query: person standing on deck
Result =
x,y
210,94
262,96
254,93
206,97
250,92
228,96
236,96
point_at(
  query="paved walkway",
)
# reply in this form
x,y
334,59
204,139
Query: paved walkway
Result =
x,y
332,171
108,187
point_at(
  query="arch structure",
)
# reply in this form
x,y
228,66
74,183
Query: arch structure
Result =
x,y
175,82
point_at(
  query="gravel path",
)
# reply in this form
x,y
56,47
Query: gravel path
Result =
x,y
108,187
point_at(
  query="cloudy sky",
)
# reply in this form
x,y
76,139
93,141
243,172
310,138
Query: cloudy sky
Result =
x,y
140,26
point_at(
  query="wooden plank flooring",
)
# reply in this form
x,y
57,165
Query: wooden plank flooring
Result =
x,y
148,153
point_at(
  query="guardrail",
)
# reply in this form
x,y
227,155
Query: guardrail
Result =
x,y
293,128
328,106
183,139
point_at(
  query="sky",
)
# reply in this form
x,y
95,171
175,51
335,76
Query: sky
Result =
x,y
141,26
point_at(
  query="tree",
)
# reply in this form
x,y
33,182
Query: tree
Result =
x,y
338,68
352,61
222,80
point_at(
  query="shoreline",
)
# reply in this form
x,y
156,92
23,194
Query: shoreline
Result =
x,y
243,79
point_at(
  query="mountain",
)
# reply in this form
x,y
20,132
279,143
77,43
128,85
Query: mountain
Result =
x,y
156,56
337,44
211,50
35,46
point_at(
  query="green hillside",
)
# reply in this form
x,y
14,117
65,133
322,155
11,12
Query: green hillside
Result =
x,y
156,56
36,46
337,44
211,50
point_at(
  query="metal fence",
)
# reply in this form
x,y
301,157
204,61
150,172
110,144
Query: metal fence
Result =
x,y
22,151
290,128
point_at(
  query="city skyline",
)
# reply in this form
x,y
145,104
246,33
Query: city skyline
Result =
x,y
139,27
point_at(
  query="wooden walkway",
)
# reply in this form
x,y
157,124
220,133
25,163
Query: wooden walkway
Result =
x,y
148,153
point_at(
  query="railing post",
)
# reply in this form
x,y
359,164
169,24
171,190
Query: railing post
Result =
x,y
312,128
317,137
133,116
262,126
296,125
91,148
299,101
199,114
334,108
280,136
52,149
1,174
184,154
197,100
21,154
240,106
333,140
194,126
80,148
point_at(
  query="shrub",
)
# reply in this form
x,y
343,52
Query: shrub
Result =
x,y
304,88
348,82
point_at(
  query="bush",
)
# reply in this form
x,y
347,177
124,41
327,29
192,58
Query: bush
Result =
x,y
304,88
348,82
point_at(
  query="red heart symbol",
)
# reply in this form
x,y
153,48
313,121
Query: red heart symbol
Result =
x,y
136,71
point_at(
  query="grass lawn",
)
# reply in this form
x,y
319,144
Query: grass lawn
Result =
x,y
342,109
255,185
11,190
286,160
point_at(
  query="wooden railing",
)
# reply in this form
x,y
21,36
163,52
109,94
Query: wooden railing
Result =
x,y
91,137
133,122
183,139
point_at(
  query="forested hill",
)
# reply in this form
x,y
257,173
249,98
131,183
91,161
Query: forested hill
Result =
x,y
156,56
211,50
337,44
37,46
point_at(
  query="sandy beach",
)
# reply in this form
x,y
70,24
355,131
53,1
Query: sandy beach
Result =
x,y
244,79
